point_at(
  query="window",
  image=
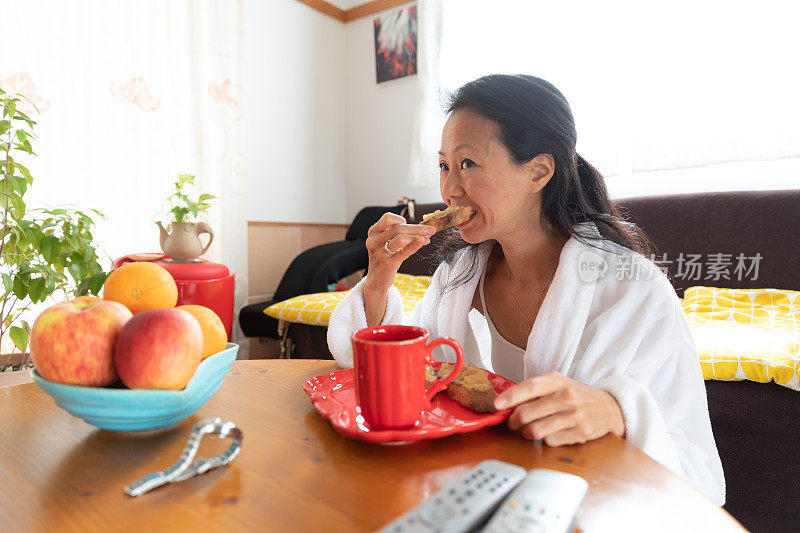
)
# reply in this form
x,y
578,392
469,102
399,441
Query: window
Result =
x,y
667,98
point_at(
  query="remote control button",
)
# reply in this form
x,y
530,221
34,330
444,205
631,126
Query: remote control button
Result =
x,y
436,515
524,524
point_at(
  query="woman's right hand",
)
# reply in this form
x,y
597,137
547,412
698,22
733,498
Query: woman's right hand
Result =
x,y
391,232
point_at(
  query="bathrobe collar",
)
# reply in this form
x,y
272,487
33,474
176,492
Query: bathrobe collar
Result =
x,y
556,333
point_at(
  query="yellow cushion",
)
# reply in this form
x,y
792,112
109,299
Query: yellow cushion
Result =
x,y
751,334
316,309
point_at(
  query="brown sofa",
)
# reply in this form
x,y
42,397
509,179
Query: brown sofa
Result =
x,y
756,425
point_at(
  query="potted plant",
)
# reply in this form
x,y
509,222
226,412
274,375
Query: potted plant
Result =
x,y
42,251
182,243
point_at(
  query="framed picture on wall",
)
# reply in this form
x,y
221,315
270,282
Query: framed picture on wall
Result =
x,y
396,44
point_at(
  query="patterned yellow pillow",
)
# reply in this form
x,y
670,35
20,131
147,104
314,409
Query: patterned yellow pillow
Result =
x,y
751,334
316,309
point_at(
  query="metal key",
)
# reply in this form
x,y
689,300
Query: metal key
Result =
x,y
185,467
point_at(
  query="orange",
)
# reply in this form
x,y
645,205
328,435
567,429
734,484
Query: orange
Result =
x,y
141,287
215,338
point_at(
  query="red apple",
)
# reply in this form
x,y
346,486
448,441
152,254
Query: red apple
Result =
x,y
73,342
159,349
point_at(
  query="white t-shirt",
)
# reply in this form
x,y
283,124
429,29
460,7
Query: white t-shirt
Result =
x,y
508,359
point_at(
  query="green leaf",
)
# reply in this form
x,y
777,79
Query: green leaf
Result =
x,y
92,284
51,284
86,218
77,267
50,248
5,125
179,213
16,207
36,289
20,288
18,184
183,179
8,283
19,336
25,173
19,207
204,197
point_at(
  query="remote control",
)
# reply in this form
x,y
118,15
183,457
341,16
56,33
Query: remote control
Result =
x,y
546,501
465,503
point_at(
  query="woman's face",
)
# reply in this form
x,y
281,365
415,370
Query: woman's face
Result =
x,y
476,170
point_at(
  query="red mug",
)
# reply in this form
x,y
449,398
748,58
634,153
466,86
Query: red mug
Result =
x,y
389,372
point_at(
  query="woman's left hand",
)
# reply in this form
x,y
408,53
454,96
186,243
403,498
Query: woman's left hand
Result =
x,y
560,410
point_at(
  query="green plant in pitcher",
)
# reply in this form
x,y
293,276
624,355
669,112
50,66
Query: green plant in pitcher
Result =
x,y
42,251
184,209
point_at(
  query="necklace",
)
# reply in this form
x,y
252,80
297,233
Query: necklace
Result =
x,y
526,325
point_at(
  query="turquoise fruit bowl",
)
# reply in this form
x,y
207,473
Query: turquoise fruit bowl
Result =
x,y
140,409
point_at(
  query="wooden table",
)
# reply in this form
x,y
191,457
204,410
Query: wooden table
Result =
x,y
295,473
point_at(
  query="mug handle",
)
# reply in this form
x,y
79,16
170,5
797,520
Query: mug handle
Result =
x,y
440,384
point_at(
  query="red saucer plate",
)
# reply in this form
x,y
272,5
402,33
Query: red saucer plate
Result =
x,y
334,396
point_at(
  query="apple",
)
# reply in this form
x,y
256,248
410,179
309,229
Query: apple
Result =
x,y
73,342
159,349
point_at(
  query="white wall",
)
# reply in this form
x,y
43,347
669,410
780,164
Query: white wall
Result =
x,y
295,113
380,119
323,138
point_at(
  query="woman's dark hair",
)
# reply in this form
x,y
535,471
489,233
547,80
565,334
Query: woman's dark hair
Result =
x,y
534,118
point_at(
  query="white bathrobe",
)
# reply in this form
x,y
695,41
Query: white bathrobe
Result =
x,y
611,320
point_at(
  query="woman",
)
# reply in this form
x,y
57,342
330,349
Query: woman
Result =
x,y
551,290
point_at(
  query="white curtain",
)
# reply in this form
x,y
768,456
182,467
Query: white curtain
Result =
x,y
653,87
132,94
